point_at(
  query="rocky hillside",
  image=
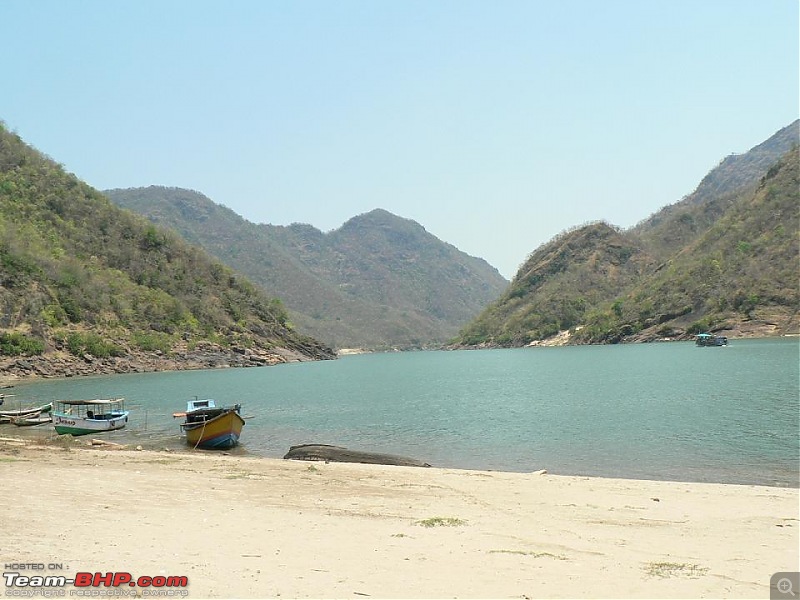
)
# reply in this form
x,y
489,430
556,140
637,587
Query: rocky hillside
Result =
x,y
675,226
559,284
83,282
739,276
725,258
378,282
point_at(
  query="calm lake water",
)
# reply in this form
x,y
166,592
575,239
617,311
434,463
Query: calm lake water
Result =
x,y
654,411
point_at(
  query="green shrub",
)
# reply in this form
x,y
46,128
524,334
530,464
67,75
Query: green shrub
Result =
x,y
279,311
53,315
91,343
17,344
152,341
703,325
16,269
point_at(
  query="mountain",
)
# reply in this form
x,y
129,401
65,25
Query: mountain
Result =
x,y
558,284
724,258
677,225
83,280
738,276
379,281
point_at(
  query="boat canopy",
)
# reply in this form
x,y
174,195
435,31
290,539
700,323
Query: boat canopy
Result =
x,y
200,404
96,402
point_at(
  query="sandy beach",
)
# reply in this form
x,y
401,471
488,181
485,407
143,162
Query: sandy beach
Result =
x,y
243,527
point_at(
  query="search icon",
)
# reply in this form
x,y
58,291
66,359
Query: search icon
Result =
x,y
782,585
785,586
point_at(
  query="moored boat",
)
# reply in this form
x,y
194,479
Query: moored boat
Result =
x,y
81,417
32,419
7,415
210,426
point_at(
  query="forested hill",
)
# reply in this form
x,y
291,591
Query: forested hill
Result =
x,y
380,281
559,284
674,226
84,281
740,276
724,259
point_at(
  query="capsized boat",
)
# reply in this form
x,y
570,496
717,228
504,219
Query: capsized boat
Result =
x,y
328,453
81,417
210,426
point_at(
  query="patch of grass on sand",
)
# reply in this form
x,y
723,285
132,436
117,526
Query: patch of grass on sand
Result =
x,y
530,553
160,461
66,442
670,569
441,522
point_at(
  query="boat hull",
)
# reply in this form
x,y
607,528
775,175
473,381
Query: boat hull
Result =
x,y
218,433
27,412
31,421
67,424
324,452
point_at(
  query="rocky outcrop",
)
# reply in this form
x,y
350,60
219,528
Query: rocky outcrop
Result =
x,y
205,356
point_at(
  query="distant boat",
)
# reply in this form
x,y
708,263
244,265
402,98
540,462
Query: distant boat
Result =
x,y
7,415
708,339
81,417
211,427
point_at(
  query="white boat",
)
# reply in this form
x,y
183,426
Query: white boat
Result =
x,y
80,417
32,420
7,415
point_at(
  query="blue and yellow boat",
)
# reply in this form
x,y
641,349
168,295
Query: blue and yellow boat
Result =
x,y
211,427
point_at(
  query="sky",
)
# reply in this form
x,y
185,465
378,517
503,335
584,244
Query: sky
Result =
x,y
495,124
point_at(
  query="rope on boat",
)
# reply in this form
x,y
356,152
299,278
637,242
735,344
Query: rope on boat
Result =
x,y
200,437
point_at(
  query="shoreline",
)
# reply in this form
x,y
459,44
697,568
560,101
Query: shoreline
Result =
x,y
45,436
253,527
61,365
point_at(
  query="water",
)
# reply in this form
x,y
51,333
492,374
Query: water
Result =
x,y
656,411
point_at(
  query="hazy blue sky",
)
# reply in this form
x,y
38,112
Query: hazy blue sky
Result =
x,y
494,124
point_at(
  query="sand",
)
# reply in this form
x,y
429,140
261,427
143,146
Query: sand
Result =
x,y
242,527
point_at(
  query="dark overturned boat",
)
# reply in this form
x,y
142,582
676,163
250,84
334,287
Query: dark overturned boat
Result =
x,y
211,427
326,453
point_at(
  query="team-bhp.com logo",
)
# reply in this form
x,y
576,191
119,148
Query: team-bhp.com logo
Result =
x,y
94,584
